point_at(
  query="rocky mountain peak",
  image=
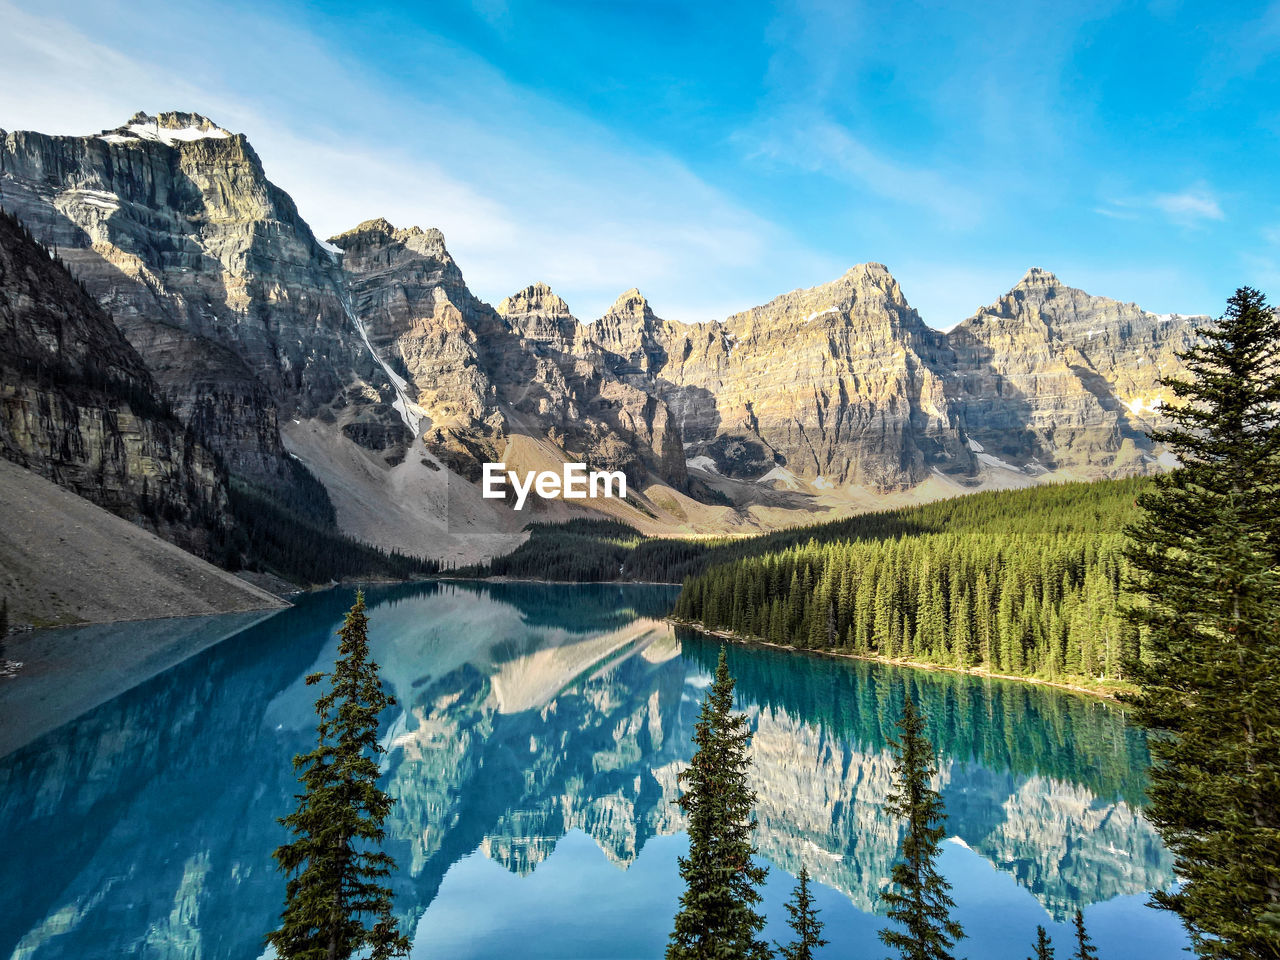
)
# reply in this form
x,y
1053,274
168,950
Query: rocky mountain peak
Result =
x,y
379,234
869,269
633,306
1039,277
169,127
537,299
871,279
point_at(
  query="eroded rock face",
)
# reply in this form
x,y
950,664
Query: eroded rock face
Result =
x,y
841,381
204,264
844,382
480,375
243,317
79,407
1052,377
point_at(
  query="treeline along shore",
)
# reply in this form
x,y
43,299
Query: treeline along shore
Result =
x,y
1020,584
1024,584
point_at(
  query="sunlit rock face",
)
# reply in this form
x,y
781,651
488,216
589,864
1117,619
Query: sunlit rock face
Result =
x,y
524,713
844,382
481,375
247,321
839,381
204,264
1050,377
79,407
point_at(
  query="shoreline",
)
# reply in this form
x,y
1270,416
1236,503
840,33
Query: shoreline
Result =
x,y
68,671
1108,693
561,583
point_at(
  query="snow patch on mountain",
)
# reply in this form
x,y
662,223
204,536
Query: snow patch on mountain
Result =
x,y
991,461
702,463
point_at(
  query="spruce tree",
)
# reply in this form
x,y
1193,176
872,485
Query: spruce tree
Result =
x,y
717,916
1207,555
803,919
918,900
1044,946
335,870
1085,950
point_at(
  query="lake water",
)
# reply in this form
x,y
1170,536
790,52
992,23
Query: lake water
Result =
x,y
533,756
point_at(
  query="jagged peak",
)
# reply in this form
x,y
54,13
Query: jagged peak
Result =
x,y
845,288
870,268
631,302
537,298
169,127
1039,277
380,228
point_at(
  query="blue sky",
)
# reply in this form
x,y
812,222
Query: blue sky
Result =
x,y
716,154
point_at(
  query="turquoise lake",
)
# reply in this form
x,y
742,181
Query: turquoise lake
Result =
x,y
533,755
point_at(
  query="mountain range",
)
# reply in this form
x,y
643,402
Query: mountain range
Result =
x,y
368,360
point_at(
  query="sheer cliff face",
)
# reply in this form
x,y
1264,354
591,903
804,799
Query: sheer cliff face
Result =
x,y
205,265
78,405
842,381
1051,377
481,376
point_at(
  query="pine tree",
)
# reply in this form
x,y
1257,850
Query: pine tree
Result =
x,y
717,916
918,901
1085,950
1044,946
803,919
1207,551
335,876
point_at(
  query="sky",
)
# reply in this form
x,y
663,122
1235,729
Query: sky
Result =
x,y
716,155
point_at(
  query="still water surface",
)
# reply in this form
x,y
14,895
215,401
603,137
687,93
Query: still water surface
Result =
x,y
533,756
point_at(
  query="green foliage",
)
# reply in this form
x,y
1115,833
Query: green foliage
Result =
x,y
1206,551
717,916
582,551
271,536
1085,950
335,870
1024,582
918,900
1043,946
803,919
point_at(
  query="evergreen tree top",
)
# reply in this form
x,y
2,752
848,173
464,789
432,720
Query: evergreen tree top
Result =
x,y
335,871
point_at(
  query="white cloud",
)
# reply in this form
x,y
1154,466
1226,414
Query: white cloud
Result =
x,y
815,144
1190,207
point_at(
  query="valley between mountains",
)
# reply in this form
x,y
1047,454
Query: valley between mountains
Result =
x,y
180,349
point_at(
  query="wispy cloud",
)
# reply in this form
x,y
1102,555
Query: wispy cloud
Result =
x,y
1190,207
816,144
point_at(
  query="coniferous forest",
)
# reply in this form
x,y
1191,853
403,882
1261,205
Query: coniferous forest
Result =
x,y
1023,583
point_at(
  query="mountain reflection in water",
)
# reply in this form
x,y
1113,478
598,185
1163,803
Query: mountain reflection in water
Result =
x,y
526,713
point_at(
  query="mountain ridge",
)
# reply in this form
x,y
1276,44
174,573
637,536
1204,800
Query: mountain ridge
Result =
x,y
825,398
